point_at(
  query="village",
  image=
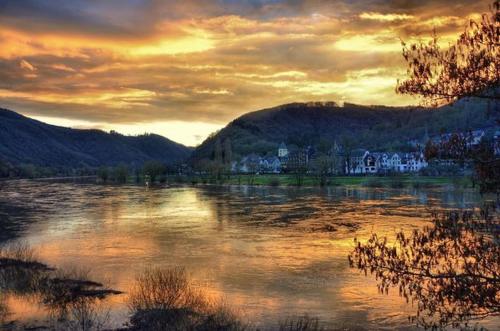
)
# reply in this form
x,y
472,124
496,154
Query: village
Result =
x,y
340,161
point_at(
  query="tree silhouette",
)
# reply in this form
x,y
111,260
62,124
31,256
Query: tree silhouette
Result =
x,y
468,68
487,167
153,169
451,270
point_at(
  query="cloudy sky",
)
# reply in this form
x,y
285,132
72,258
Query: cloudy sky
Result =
x,y
183,69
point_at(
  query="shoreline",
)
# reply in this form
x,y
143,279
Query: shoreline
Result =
x,y
282,180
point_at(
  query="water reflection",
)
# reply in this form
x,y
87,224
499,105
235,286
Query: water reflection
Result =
x,y
268,251
66,298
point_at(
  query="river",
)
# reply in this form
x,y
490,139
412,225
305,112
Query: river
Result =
x,y
268,252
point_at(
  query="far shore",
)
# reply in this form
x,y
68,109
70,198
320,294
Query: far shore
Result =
x,y
285,180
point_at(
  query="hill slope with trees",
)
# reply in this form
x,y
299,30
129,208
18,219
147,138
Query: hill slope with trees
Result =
x,y
370,127
27,141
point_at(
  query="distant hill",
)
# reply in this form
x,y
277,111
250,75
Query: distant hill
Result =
x,y
370,127
27,141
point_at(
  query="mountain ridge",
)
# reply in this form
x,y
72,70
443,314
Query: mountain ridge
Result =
x,y
27,141
371,127
24,140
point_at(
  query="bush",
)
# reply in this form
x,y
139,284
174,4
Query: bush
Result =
x,y
165,299
70,297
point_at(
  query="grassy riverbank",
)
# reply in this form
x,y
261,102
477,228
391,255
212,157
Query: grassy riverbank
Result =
x,y
291,180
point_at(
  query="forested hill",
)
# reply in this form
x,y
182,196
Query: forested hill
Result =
x,y
27,141
370,127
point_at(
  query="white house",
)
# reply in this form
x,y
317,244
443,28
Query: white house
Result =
x,y
355,165
416,162
365,162
282,151
270,165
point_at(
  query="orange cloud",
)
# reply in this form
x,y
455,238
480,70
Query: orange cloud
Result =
x,y
385,17
198,62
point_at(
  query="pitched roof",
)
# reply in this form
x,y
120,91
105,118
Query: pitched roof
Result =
x,y
358,152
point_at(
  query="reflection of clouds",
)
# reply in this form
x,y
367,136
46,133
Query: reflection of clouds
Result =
x,y
235,241
139,62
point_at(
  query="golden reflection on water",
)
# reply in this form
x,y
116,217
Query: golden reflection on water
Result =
x,y
268,252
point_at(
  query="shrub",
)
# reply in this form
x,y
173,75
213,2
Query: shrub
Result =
x,y
165,299
69,296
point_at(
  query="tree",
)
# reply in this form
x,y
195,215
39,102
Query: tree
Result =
x,y
451,270
322,167
120,173
218,164
455,148
218,151
253,166
228,155
347,148
487,167
153,169
431,150
5,169
468,68
103,173
336,160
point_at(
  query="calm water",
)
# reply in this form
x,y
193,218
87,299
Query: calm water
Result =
x,y
270,252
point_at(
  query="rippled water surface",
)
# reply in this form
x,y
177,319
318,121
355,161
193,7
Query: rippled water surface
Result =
x,y
270,252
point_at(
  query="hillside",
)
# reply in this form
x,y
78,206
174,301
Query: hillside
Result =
x,y
27,141
370,127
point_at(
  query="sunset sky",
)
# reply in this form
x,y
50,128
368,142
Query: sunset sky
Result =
x,y
183,69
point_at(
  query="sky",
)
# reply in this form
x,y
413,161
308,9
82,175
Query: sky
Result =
x,y
184,69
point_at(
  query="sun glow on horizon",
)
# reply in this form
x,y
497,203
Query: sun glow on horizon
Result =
x,y
187,133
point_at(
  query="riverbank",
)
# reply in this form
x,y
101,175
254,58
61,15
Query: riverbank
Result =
x,y
284,180
291,180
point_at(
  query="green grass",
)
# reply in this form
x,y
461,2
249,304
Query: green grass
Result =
x,y
309,180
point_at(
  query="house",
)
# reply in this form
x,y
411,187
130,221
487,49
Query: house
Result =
x,y
250,164
395,162
282,150
270,164
365,162
310,153
370,163
296,160
416,162
472,138
355,163
475,137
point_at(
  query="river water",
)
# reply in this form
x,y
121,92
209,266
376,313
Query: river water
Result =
x,y
269,252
